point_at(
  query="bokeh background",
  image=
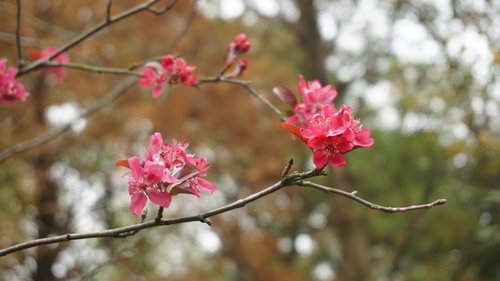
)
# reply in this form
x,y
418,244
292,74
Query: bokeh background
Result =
x,y
423,75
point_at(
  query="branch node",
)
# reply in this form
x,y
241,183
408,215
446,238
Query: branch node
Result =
x,y
287,168
204,220
108,11
144,214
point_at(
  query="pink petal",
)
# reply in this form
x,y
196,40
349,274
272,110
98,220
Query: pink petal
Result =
x,y
286,95
320,158
302,85
157,91
168,178
135,167
162,199
336,160
317,142
206,185
363,138
155,145
193,188
153,173
137,203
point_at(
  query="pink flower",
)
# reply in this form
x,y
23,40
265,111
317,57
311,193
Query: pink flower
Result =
x,y
167,170
330,133
328,122
63,58
10,89
314,98
153,76
239,46
144,183
329,150
171,71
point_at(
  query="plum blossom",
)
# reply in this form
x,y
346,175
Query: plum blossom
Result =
x,y
63,58
10,89
314,97
143,183
167,169
170,71
328,132
239,46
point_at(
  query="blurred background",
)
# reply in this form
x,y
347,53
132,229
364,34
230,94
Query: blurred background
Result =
x,y
423,75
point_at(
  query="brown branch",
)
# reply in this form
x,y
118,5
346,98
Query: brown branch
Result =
x,y
108,10
95,69
248,86
116,92
145,6
135,228
20,60
352,195
295,178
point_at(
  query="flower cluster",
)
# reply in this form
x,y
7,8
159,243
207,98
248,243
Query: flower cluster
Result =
x,y
329,132
166,170
63,58
171,71
10,89
239,46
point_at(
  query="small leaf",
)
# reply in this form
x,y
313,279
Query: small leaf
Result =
x,y
294,130
123,163
286,95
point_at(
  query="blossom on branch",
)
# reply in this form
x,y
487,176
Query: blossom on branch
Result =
x,y
328,132
239,46
166,170
170,71
10,89
63,58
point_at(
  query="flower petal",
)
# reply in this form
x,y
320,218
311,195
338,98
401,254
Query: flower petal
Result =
x,y
135,167
336,160
137,203
320,158
206,185
160,198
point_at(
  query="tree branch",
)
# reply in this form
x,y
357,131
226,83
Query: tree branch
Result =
x,y
20,60
352,195
135,228
116,92
94,68
295,178
248,86
145,6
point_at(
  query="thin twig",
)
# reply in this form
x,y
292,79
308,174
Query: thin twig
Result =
x,y
108,10
160,214
94,68
295,178
116,92
132,229
105,23
287,168
352,195
20,60
248,86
